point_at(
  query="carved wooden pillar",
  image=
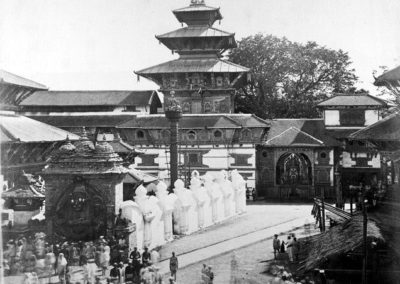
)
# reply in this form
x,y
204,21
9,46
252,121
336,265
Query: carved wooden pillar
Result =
x,y
174,116
110,220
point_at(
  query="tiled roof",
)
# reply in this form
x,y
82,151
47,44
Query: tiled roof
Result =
x,y
9,78
294,137
387,129
353,100
26,192
135,176
23,129
249,120
84,120
194,65
195,8
196,31
340,133
306,130
187,122
121,146
392,77
89,98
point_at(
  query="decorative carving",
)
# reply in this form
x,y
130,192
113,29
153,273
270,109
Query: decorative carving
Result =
x,y
172,104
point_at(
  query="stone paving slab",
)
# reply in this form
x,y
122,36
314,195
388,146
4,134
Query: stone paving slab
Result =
x,y
258,216
202,254
289,219
252,262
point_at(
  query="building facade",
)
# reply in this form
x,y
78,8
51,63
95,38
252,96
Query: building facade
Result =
x,y
302,157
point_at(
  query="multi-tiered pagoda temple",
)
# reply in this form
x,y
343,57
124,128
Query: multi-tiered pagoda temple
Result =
x,y
211,136
202,81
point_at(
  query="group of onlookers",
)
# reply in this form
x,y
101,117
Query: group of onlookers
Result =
x,y
35,256
207,275
291,246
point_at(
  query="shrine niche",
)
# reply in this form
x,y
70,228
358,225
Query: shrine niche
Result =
x,y
75,210
293,168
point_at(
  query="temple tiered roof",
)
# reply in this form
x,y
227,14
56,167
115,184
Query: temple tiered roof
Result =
x,y
182,65
198,13
200,65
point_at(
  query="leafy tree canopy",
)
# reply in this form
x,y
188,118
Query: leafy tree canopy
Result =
x,y
288,79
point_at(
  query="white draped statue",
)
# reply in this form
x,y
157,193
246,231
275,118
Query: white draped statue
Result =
x,y
167,205
239,186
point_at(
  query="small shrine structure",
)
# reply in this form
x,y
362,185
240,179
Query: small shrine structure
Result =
x,y
84,190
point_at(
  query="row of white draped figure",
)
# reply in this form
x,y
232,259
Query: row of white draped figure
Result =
x,y
210,199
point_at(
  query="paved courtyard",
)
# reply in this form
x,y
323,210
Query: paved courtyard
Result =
x,y
249,235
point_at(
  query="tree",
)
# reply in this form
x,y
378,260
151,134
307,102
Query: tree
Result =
x,y
390,80
288,79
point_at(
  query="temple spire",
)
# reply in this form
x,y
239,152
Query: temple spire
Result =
x,y
197,2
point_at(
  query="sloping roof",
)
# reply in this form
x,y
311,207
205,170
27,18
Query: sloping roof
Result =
x,y
196,31
84,120
392,77
26,187
336,241
26,192
187,122
194,65
12,79
194,8
294,137
340,133
135,176
121,146
387,129
249,120
89,98
23,129
353,100
312,127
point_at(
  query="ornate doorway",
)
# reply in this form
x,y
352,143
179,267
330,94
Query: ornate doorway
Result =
x,y
80,213
293,170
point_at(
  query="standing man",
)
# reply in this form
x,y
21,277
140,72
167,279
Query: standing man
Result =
x,y
173,265
129,272
210,275
204,274
146,257
115,275
135,254
276,244
289,248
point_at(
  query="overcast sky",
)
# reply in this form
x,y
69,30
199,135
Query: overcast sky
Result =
x,y
97,44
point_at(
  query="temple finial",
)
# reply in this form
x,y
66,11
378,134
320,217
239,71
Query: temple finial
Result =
x,y
196,2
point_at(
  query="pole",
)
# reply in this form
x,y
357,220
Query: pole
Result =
x,y
351,201
1,233
323,207
173,149
365,222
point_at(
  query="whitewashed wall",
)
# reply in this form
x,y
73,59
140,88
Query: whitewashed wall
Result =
x,y
332,117
371,116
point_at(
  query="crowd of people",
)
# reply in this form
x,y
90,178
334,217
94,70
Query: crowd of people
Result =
x,y
36,258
